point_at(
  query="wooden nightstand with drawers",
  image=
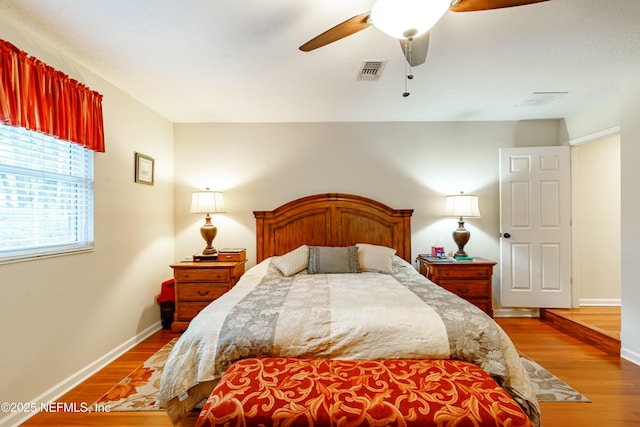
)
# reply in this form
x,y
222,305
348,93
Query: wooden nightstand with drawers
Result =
x,y
470,280
199,283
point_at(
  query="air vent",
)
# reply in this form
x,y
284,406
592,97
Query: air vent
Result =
x,y
540,98
371,70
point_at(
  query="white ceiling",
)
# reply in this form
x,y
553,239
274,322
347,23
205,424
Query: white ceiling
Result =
x,y
238,61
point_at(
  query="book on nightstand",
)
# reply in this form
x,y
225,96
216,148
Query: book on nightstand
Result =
x,y
435,258
203,257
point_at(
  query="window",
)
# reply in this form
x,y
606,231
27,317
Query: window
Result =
x,y
46,195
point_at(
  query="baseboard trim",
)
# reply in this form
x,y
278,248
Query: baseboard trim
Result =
x,y
630,355
516,312
603,302
74,380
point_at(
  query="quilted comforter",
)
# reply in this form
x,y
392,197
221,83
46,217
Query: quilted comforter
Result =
x,y
358,316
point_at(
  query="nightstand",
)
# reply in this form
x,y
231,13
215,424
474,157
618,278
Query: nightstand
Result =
x,y
199,283
470,280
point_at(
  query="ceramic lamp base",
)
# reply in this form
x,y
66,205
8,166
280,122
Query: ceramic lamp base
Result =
x,y
461,237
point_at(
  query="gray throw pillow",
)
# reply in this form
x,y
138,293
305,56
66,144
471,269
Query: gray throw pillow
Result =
x,y
330,259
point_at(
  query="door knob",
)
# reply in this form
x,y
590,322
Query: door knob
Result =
x,y
506,235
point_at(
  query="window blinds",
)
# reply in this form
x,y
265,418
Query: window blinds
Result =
x,y
46,195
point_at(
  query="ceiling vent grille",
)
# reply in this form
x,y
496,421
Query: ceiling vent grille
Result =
x,y
540,98
371,70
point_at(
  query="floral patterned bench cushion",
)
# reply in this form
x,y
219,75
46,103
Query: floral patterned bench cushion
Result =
x,y
305,392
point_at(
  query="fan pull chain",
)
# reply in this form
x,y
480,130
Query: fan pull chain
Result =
x,y
408,70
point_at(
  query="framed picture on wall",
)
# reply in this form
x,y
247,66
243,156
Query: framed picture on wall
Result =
x,y
144,169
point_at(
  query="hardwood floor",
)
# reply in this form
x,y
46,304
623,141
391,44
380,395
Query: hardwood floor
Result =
x,y
94,387
598,326
612,384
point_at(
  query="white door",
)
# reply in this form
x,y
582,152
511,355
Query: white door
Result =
x,y
535,227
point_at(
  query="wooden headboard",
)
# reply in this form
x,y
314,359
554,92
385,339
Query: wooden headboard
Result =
x,y
332,219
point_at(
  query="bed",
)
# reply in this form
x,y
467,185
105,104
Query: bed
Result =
x,y
334,280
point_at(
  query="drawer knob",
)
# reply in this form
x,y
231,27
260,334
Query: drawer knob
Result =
x,y
463,290
203,293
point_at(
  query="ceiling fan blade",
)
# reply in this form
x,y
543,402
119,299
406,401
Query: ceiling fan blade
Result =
x,y
342,30
475,5
418,52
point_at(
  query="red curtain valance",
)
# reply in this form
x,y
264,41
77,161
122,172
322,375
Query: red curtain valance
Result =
x,y
38,97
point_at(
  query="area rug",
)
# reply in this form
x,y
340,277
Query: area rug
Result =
x,y
548,387
138,391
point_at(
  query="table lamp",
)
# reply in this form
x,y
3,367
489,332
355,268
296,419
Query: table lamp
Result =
x,y
461,205
207,202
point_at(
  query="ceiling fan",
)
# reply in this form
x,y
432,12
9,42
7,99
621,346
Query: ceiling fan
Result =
x,y
407,20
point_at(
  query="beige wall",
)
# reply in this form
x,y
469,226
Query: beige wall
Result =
x,y
405,165
61,316
596,221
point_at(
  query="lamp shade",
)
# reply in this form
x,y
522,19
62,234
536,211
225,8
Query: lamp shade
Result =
x,y
407,18
207,202
462,205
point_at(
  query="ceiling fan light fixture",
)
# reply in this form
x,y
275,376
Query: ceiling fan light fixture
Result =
x,y
402,19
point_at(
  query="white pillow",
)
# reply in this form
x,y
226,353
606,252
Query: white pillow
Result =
x,y
292,262
375,258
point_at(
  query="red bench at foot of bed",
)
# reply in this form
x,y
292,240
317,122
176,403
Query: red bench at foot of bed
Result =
x,y
306,392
